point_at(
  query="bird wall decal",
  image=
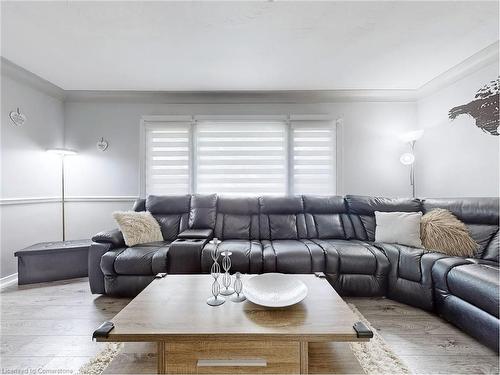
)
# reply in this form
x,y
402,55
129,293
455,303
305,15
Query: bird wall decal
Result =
x,y
484,108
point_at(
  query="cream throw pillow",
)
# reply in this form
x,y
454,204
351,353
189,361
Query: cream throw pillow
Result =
x,y
441,231
398,227
138,227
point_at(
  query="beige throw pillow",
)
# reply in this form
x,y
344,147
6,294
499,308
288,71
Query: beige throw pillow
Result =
x,y
441,231
398,227
138,227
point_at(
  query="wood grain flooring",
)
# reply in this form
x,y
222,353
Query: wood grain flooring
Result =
x,y
47,327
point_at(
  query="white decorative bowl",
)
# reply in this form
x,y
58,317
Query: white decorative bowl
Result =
x,y
275,290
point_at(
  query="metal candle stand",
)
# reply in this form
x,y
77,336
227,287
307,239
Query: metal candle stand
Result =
x,y
238,296
217,294
226,279
215,300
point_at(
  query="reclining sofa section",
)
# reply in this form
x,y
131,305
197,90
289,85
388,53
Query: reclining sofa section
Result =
x,y
305,234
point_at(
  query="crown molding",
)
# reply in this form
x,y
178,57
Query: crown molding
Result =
x,y
241,97
17,73
468,66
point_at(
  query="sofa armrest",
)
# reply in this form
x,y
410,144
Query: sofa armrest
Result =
x,y
184,255
96,276
196,234
113,237
441,268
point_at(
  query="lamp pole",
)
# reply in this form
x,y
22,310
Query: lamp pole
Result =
x,y
412,170
62,153
62,200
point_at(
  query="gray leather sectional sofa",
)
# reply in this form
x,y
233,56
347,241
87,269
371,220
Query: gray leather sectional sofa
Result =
x,y
305,234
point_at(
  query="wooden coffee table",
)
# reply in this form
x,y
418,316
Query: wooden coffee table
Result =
x,y
193,337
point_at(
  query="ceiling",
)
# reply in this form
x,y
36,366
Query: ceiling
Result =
x,y
204,46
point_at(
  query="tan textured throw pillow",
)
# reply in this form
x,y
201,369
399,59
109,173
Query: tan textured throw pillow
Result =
x,y
138,227
441,231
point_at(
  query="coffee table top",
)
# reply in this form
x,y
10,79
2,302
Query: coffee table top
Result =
x,y
174,309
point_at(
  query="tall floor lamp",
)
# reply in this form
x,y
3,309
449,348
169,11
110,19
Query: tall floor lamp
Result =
x,y
62,153
408,158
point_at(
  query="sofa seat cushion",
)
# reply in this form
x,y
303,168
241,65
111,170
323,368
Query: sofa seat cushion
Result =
x,y
292,256
148,259
354,257
477,284
246,256
410,279
355,268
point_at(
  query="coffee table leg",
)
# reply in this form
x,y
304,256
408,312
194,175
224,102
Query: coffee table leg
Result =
x,y
304,357
161,358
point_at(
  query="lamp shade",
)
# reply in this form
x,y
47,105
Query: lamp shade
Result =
x,y
407,158
62,151
412,136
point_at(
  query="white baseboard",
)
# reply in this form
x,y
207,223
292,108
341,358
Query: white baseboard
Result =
x,y
8,280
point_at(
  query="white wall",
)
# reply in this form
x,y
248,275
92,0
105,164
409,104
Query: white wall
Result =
x,y
371,157
456,158
27,170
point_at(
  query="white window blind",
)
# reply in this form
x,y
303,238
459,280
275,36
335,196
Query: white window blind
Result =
x,y
168,160
251,157
314,158
241,157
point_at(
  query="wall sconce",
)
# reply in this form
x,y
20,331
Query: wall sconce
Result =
x,y
408,158
17,117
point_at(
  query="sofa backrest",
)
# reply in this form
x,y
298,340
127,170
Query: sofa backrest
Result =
x,y
326,217
282,218
362,212
171,212
203,211
480,215
237,218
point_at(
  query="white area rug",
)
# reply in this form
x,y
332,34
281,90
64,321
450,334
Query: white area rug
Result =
x,y
375,356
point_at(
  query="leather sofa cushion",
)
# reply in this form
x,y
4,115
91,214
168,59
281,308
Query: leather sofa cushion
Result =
x,y
172,225
482,234
353,256
196,233
203,211
363,227
168,204
469,210
365,205
329,226
236,226
293,256
139,205
282,218
324,204
148,259
325,216
238,205
283,227
237,218
493,249
280,205
246,257
477,284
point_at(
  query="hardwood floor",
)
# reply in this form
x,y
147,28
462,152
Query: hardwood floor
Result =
x,y
47,327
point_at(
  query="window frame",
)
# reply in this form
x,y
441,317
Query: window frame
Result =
x,y
148,122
